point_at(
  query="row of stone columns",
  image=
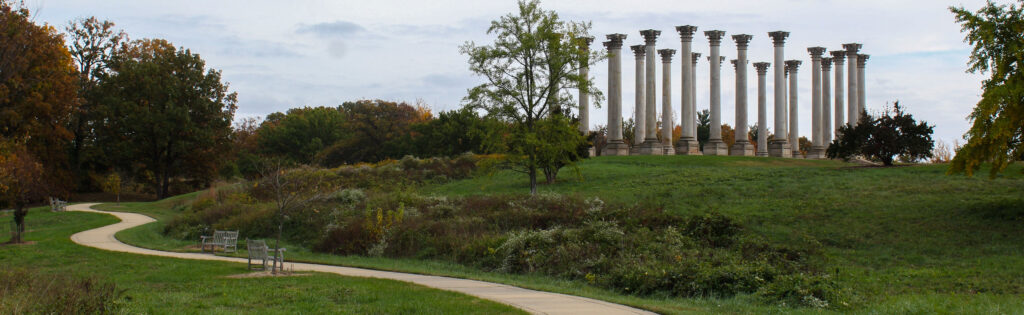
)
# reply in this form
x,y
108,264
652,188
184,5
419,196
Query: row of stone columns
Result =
x,y
785,143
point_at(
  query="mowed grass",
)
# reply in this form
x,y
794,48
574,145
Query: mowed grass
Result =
x,y
905,239
157,285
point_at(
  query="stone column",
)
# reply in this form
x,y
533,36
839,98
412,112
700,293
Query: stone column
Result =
x,y
762,108
853,114
584,95
837,57
615,145
639,118
715,146
826,101
651,145
779,146
693,99
817,137
666,101
687,144
794,123
861,59
742,147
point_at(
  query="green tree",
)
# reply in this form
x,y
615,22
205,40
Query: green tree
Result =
x,y
92,44
167,116
531,71
894,133
997,132
376,130
453,133
703,127
301,133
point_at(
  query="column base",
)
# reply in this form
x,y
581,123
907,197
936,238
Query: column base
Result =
x,y
615,147
797,154
742,148
715,147
650,147
780,148
591,152
762,153
688,147
817,153
667,149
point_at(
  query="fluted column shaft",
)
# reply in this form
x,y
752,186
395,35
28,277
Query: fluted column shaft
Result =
x,y
615,145
639,118
853,114
779,39
794,122
762,108
838,56
687,106
650,132
816,132
715,61
666,100
861,60
742,40
693,96
826,101
585,95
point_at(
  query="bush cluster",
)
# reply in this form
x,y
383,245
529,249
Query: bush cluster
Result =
x,y
635,249
32,292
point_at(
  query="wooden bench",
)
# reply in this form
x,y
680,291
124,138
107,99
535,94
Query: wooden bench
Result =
x,y
225,239
57,205
260,253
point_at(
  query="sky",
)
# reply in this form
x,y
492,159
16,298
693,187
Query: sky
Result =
x,y
283,54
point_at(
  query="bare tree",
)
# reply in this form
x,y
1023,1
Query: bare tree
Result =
x,y
292,189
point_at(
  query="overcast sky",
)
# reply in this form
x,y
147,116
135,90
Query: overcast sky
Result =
x,y
283,54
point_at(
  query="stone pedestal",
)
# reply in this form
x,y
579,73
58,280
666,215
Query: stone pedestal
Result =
x,y
615,145
780,148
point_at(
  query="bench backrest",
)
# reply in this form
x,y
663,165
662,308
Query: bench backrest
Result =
x,y
225,237
257,249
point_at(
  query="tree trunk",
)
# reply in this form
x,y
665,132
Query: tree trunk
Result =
x,y
277,246
533,180
19,222
161,191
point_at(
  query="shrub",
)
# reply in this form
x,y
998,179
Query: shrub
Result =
x,y
802,290
714,229
33,292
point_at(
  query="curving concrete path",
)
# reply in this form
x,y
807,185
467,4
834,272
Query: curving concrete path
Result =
x,y
536,302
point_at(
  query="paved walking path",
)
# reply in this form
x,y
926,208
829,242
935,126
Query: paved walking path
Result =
x,y
537,302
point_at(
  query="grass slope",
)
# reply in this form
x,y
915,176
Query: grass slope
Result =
x,y
157,285
906,239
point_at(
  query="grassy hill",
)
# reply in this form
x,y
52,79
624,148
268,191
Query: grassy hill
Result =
x,y
895,235
902,240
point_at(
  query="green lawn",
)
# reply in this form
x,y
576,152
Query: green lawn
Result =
x,y
157,285
905,239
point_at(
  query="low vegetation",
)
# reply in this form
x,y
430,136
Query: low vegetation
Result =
x,y
817,234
